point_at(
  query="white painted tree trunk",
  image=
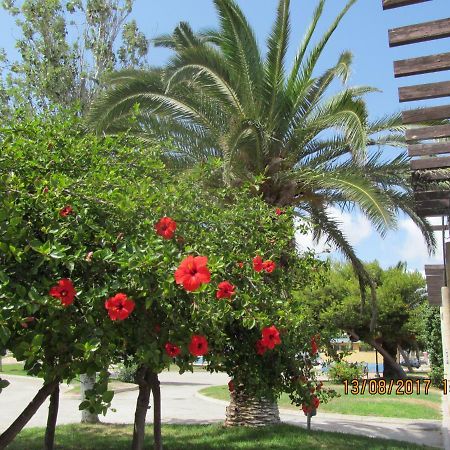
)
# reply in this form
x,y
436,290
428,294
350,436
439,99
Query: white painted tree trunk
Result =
x,y
86,383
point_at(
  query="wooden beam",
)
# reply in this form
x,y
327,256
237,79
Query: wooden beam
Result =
x,y
429,149
419,32
432,211
422,196
438,228
434,175
430,163
389,4
424,91
433,269
426,114
434,132
424,64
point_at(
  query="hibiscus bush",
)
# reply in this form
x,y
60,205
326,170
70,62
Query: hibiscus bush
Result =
x,y
109,257
265,342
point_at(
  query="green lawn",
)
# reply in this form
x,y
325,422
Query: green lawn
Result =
x,y
406,406
204,437
13,369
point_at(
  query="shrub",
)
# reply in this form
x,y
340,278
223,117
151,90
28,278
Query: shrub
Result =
x,y
127,374
344,371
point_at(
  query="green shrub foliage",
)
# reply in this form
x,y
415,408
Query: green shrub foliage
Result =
x,y
87,209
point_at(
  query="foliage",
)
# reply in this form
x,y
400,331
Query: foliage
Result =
x,y
305,144
344,371
127,374
79,207
432,337
68,65
401,306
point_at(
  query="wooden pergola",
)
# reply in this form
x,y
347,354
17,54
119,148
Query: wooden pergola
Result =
x,y
428,146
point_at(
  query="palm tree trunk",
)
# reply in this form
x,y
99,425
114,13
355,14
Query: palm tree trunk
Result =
x,y
16,427
245,410
49,441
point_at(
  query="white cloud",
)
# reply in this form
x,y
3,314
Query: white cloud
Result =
x,y
355,227
413,248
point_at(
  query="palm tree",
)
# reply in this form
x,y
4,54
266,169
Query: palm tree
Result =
x,y
220,97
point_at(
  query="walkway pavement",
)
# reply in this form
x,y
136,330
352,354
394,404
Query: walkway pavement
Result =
x,y
183,404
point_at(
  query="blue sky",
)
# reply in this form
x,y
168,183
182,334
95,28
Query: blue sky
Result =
x,y
364,31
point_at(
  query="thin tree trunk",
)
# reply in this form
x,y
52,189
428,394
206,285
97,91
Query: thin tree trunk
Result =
x,y
156,389
86,384
16,427
141,408
245,410
49,441
406,359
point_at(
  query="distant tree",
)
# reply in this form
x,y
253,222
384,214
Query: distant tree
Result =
x,y
400,302
432,337
66,48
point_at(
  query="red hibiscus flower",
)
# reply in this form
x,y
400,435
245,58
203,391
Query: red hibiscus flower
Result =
x,y
192,273
258,264
198,345
64,290
314,404
119,307
279,211
64,212
231,386
268,266
260,347
314,347
45,190
166,227
270,337
172,350
226,290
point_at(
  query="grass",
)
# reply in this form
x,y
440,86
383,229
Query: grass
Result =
x,y
204,437
406,406
13,369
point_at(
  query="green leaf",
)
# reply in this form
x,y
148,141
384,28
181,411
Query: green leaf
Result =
x,y
84,405
107,396
37,340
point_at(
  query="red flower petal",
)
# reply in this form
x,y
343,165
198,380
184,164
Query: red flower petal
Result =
x,y
166,227
198,345
257,263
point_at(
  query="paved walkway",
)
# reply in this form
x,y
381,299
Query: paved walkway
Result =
x,y
183,404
